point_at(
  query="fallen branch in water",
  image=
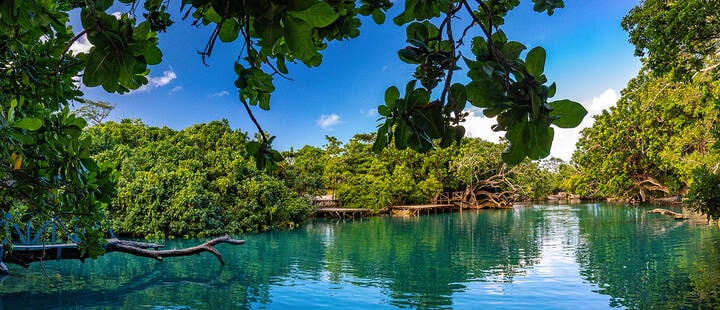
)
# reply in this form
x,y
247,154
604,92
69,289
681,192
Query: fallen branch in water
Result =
x,y
24,255
675,215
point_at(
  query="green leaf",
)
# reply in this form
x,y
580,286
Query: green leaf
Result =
x,y
153,55
516,150
319,15
383,110
539,140
459,94
417,31
551,90
409,55
402,135
512,49
28,123
569,113
23,138
253,147
535,61
381,140
419,97
514,154
281,66
484,94
229,30
392,94
298,36
378,16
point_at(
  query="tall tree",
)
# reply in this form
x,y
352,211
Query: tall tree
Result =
x,y
677,37
94,111
653,139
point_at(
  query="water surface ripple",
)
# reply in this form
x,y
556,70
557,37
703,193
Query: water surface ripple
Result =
x,y
589,256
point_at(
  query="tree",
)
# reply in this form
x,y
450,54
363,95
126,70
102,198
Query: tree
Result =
x,y
303,170
196,182
94,111
682,39
652,140
678,37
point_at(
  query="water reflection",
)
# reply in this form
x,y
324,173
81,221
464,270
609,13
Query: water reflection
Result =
x,y
538,256
645,261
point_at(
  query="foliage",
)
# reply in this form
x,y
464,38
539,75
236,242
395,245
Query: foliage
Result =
x,y
651,140
678,37
303,170
365,179
194,182
705,192
46,168
502,83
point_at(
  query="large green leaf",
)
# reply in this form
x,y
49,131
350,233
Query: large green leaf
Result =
x,y
539,140
535,61
28,123
229,30
484,94
512,49
319,15
569,113
392,94
298,36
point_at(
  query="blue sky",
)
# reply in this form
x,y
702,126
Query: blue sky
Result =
x,y
588,56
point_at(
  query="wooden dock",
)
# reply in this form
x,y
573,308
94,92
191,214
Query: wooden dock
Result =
x,y
343,212
416,210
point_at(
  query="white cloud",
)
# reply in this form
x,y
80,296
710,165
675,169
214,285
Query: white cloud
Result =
x,y
176,89
222,93
155,82
328,121
479,126
371,112
565,139
81,45
167,77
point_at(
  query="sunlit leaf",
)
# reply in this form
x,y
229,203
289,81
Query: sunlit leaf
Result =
x,y
570,113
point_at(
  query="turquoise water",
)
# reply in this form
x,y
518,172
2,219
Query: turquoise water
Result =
x,y
587,256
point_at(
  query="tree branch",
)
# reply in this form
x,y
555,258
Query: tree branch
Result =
x,y
24,257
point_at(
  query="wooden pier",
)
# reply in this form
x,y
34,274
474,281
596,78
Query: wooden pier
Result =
x,y
342,213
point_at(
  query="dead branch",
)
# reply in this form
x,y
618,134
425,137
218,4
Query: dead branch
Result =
x,y
24,257
675,215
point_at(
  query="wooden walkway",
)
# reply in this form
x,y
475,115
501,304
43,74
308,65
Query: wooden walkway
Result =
x,y
342,212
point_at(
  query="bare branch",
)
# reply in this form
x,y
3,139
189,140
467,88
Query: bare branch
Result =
x,y
25,255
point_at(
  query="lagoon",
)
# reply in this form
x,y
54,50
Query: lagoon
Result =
x,y
589,256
